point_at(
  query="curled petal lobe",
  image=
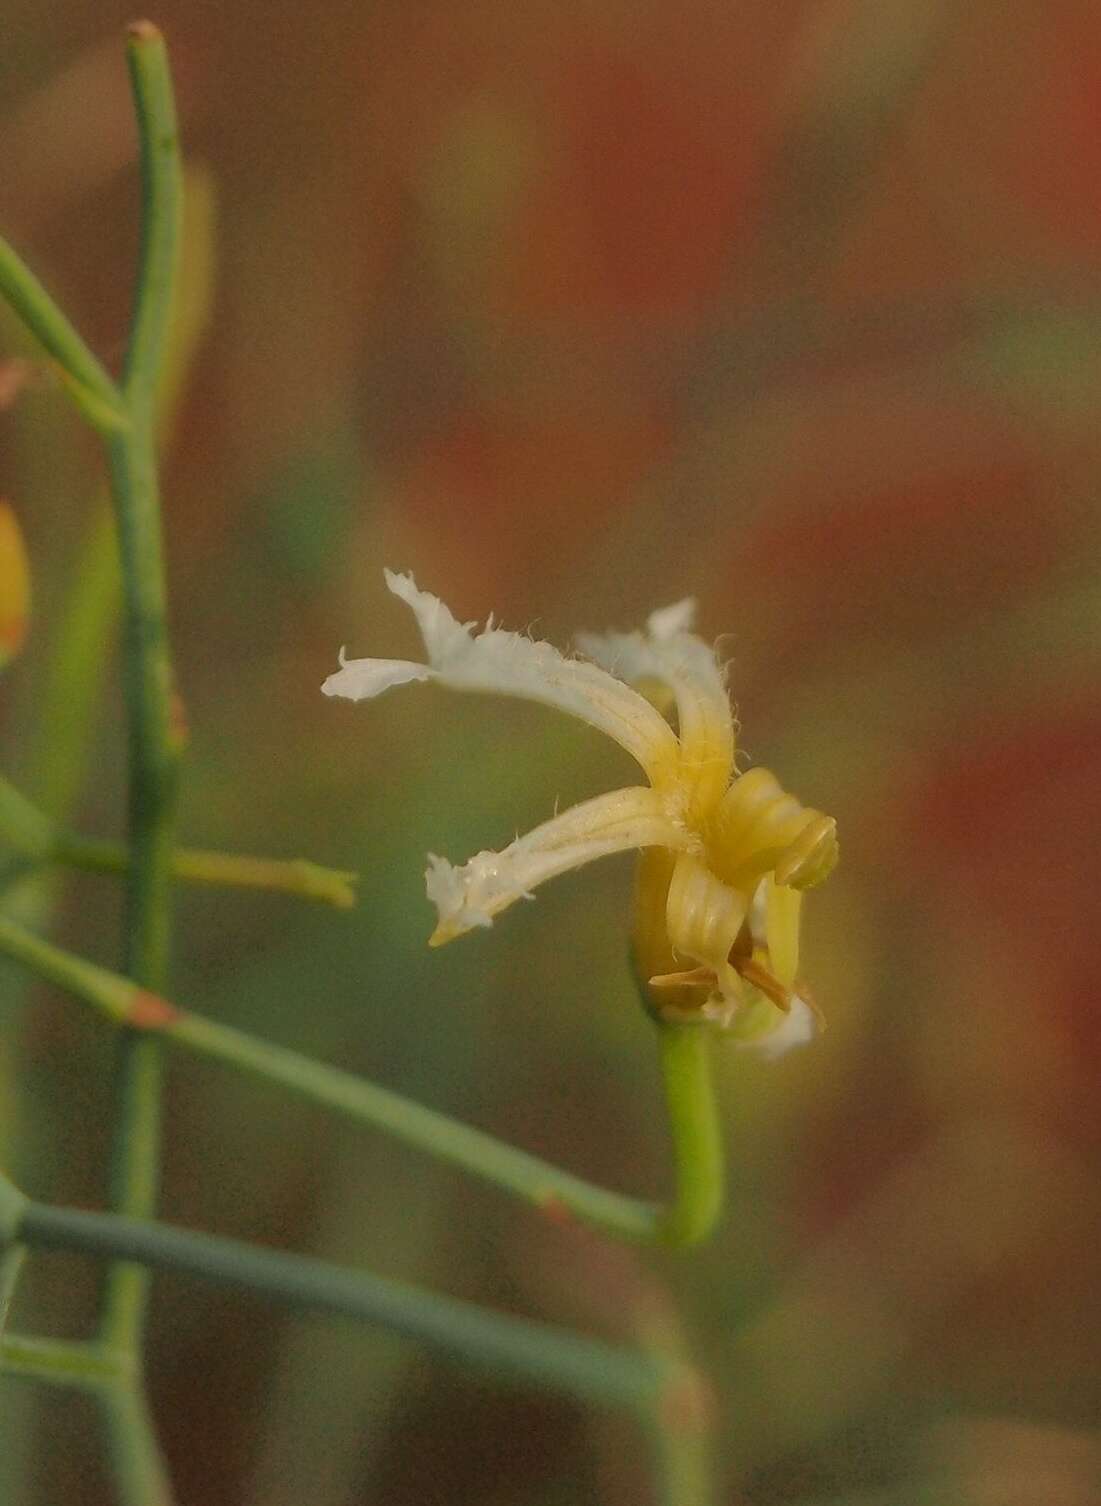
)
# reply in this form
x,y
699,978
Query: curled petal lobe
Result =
x,y
489,882
758,827
703,918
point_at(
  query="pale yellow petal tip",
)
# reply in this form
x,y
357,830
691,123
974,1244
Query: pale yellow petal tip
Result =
x,y
451,890
813,855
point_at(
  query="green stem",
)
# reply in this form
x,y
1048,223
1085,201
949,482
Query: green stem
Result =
x,y
694,1122
698,1150
62,1362
153,748
224,870
138,1465
11,1265
604,1373
12,1207
473,1150
161,198
71,687
135,1141
24,826
148,676
682,1456
33,835
91,387
682,1429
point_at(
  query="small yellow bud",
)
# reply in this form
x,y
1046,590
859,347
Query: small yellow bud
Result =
x,y
15,585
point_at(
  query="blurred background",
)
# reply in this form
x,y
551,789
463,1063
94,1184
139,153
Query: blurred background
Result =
x,y
574,311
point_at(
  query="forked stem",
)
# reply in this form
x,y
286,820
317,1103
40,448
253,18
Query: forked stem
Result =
x,y
127,1237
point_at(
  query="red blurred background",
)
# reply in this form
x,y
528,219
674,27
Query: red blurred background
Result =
x,y
574,311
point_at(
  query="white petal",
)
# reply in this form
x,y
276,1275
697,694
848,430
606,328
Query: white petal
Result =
x,y
443,636
511,664
796,1028
667,622
360,679
669,653
491,881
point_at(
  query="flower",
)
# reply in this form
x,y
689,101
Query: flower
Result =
x,y
724,856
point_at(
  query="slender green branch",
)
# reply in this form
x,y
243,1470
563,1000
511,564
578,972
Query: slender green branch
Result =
x,y
682,1459
681,1441
91,387
135,492
12,1205
697,1144
224,870
153,746
698,1150
71,685
11,1265
138,1465
63,1362
604,1373
682,1429
161,198
33,835
24,826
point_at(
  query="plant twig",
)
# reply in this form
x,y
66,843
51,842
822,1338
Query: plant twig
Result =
x,y
33,835
139,1468
92,388
82,640
682,1430
604,1373
11,1264
698,1150
153,749
697,1144
62,1362
225,870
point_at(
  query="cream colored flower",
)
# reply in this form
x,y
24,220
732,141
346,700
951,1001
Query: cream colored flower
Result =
x,y
724,856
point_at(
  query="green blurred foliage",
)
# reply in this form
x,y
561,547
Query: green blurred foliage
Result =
x,y
791,307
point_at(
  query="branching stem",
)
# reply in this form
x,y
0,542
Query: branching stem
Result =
x,y
34,836
658,1390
